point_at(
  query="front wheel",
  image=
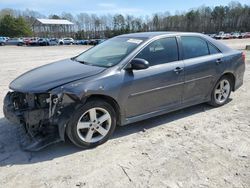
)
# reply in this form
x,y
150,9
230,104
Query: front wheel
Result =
x,y
92,124
221,92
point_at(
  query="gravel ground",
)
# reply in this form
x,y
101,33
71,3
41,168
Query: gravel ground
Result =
x,y
195,147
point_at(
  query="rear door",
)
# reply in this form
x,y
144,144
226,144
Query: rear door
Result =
x,y
203,63
159,87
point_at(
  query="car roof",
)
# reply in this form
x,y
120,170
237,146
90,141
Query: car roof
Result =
x,y
149,35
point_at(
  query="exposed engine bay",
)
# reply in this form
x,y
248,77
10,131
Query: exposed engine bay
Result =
x,y
42,117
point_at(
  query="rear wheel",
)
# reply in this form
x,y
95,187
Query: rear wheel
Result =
x,y
92,124
221,91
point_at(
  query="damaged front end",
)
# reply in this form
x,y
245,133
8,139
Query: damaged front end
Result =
x,y
42,117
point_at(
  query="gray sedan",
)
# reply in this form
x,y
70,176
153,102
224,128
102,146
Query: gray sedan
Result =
x,y
15,41
123,80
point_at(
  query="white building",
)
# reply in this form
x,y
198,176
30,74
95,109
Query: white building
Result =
x,y
52,28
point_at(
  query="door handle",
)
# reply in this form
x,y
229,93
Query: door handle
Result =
x,y
177,70
218,61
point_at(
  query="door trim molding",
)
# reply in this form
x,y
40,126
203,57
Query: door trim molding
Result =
x,y
195,79
155,89
164,87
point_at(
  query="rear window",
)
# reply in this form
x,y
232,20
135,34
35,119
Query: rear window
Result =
x,y
194,47
213,49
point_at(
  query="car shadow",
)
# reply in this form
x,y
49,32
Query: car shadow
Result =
x,y
11,154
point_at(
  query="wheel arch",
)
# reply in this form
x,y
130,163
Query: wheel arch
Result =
x,y
111,101
231,76
63,124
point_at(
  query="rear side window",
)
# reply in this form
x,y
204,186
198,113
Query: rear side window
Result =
x,y
194,47
160,51
212,49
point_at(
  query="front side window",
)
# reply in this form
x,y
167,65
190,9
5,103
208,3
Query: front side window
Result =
x,y
194,47
160,51
110,52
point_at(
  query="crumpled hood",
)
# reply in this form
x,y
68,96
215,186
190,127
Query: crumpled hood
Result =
x,y
53,75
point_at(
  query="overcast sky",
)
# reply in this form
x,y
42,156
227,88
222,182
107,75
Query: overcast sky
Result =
x,y
136,7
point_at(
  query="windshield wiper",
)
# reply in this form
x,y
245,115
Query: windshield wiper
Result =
x,y
73,58
91,64
83,62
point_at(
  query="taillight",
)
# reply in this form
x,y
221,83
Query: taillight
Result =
x,y
244,57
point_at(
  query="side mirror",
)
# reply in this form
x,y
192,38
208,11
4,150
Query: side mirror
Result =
x,y
138,64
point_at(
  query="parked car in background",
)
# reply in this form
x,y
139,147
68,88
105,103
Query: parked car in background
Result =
x,y
82,42
236,35
67,41
53,41
211,35
86,42
48,41
96,41
76,42
2,41
60,41
126,79
43,42
99,41
246,35
227,36
26,40
218,36
33,41
15,41
92,42
223,35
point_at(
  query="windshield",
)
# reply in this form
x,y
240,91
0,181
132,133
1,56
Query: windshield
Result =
x,y
110,52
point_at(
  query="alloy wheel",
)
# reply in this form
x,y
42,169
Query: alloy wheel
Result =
x,y
94,125
222,91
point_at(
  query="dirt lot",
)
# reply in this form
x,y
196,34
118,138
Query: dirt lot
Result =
x,y
196,147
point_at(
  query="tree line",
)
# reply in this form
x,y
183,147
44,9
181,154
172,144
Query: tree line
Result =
x,y
229,18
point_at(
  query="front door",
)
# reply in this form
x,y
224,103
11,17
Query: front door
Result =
x,y
161,85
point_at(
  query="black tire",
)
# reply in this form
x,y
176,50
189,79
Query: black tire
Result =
x,y
215,102
71,129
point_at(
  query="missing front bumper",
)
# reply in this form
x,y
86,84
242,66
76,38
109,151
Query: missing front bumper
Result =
x,y
36,130
29,142
42,118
